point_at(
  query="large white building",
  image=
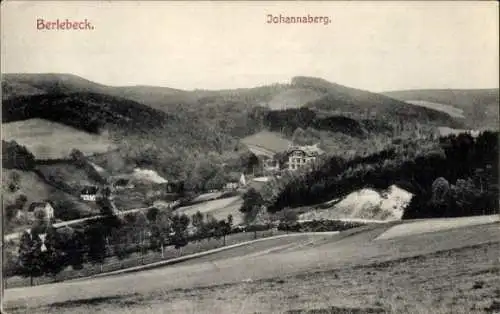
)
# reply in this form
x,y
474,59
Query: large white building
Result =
x,y
299,156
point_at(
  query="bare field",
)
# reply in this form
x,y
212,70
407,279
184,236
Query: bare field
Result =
x,y
450,271
220,208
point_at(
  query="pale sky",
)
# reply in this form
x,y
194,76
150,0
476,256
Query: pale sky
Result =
x,y
373,46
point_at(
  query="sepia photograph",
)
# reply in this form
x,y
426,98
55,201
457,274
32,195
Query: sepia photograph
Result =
x,y
230,157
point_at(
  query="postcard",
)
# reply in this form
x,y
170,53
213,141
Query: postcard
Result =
x,y
250,157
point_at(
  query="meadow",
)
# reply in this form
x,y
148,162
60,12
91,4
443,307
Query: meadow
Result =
x,y
52,140
453,270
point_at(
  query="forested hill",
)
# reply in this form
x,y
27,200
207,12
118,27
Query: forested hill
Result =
x,y
93,113
314,93
357,102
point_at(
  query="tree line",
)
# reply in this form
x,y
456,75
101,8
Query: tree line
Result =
x,y
470,164
48,251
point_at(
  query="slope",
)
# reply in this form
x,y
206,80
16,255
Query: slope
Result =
x,y
301,91
480,106
52,140
360,103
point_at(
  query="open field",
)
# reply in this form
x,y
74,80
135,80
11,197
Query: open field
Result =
x,y
450,271
51,140
150,259
452,111
220,208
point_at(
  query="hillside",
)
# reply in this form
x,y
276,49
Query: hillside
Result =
x,y
359,103
26,84
301,91
480,106
172,131
52,140
36,189
83,110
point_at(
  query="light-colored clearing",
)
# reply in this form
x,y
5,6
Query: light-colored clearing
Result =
x,y
365,204
51,140
148,176
452,111
434,225
445,131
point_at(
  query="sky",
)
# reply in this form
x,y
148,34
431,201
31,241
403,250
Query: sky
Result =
x,y
215,45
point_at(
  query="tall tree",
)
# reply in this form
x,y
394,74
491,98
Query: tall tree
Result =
x,y
161,230
55,256
30,256
180,224
96,240
198,222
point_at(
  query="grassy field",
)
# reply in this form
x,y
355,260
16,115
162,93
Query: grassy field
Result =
x,y
220,208
450,271
452,111
137,259
50,140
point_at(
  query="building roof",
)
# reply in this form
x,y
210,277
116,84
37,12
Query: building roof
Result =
x,y
121,182
36,205
89,190
266,142
311,150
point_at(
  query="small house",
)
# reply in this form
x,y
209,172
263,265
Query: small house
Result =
x,y
42,209
89,193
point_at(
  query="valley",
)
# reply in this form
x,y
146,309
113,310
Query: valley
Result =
x,y
223,196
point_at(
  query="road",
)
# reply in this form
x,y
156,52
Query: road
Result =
x,y
14,236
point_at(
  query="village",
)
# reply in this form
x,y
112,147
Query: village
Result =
x,y
271,162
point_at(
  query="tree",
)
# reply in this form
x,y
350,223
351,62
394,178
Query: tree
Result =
x,y
289,218
74,248
198,222
180,224
55,257
15,156
251,199
15,181
30,256
152,213
222,230
78,157
440,190
160,230
96,240
141,227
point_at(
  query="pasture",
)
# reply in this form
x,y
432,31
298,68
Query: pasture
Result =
x,y
220,209
448,271
51,140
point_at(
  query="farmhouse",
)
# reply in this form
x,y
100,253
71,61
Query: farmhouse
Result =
x,y
89,193
42,209
298,156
